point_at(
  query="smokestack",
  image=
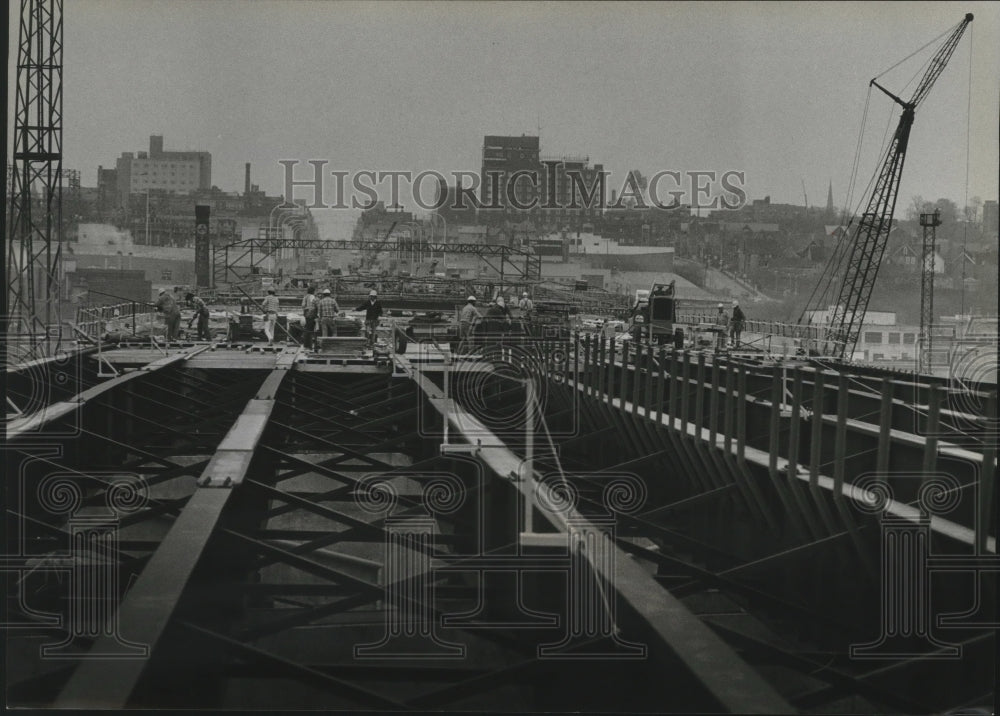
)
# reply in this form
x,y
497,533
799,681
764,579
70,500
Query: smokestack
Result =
x,y
246,181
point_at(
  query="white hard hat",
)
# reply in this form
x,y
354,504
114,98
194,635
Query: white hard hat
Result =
x,y
720,305
525,294
471,298
500,301
326,291
372,293
163,290
736,303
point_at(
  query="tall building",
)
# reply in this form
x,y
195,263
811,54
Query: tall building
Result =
x,y
171,172
502,157
507,198
990,216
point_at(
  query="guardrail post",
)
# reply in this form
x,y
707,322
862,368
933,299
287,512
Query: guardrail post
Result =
x,y
840,437
884,428
685,395
623,385
741,414
729,405
660,387
611,372
636,368
987,479
699,396
648,396
713,404
674,382
932,426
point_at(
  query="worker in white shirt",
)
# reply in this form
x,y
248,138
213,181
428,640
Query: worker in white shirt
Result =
x,y
467,318
270,306
525,304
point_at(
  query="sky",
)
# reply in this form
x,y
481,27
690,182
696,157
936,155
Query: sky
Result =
x,y
775,90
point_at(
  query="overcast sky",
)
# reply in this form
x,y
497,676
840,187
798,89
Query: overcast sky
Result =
x,y
774,90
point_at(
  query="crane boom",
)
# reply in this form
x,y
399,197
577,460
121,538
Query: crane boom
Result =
x,y
869,241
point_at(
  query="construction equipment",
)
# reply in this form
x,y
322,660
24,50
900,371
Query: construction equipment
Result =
x,y
867,244
654,315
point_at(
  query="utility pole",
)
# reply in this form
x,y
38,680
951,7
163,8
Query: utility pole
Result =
x,y
930,222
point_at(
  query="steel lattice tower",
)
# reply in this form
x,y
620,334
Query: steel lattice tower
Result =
x,y
35,200
930,222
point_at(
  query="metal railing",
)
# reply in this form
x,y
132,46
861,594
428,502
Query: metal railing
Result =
x,y
772,328
126,316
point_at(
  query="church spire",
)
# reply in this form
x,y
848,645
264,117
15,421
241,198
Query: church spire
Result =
x,y
829,198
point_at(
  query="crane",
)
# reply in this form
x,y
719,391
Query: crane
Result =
x,y
867,245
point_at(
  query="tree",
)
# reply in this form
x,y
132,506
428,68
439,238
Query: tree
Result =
x,y
948,209
972,210
916,208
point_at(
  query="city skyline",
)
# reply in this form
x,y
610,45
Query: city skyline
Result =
x,y
774,90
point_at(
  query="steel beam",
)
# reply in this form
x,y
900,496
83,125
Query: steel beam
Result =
x,y
150,604
736,686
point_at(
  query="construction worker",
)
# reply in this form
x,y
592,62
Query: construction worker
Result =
x,y
373,312
736,324
171,314
270,306
525,304
309,312
200,313
498,312
722,324
327,311
467,318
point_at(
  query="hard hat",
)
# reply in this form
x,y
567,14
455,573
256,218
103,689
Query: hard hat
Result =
x,y
525,294
270,290
471,298
720,305
500,301
326,291
372,293
736,303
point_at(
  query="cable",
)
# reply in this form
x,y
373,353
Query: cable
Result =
x,y
968,123
916,52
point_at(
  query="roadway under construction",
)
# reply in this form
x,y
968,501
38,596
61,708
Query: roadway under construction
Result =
x,y
512,526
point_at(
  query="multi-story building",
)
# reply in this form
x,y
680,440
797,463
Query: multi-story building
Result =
x,y
990,216
551,192
502,158
173,172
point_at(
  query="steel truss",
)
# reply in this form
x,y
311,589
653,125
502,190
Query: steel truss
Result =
x,y
271,572
34,230
239,261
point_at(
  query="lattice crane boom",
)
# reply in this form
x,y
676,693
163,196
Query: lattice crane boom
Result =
x,y
869,240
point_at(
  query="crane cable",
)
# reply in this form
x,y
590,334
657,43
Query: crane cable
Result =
x,y
968,123
824,287
830,269
918,51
